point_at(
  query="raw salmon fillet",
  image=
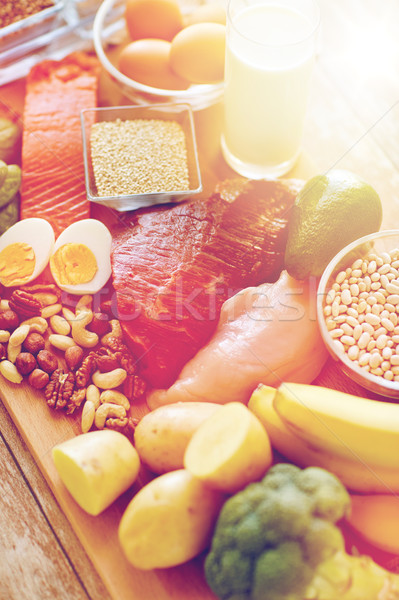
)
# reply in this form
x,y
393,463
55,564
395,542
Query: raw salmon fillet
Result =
x,y
53,185
266,334
174,267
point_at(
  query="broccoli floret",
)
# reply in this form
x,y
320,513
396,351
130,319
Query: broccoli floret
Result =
x,y
277,539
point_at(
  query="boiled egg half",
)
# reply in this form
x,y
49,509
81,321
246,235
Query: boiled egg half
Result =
x,y
25,249
81,260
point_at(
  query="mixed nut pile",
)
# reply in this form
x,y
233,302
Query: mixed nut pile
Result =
x,y
77,357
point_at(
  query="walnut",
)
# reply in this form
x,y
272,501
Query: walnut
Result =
x,y
38,379
106,360
33,343
60,388
47,361
134,387
25,363
86,370
24,304
125,426
75,400
9,320
126,360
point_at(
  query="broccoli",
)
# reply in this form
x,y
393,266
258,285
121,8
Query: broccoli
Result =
x,y
277,539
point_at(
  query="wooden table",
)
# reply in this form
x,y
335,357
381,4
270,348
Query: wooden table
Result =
x,y
352,123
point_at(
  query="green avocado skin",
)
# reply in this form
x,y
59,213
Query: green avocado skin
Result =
x,y
329,212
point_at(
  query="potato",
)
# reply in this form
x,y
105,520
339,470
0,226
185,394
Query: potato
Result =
x,y
169,521
96,467
230,449
161,437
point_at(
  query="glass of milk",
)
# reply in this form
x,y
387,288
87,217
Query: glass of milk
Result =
x,y
270,51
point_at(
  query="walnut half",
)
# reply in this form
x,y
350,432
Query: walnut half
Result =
x,y
59,389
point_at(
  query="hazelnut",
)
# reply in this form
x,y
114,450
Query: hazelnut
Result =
x,y
73,357
25,363
34,342
38,379
3,352
47,361
99,324
9,320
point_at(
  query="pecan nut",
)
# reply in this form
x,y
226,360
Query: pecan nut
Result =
x,y
86,370
45,288
122,353
59,389
75,400
24,304
134,387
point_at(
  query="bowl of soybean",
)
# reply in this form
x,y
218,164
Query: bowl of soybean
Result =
x,y
358,311
138,156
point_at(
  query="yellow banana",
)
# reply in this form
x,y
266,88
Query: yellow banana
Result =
x,y
341,424
355,475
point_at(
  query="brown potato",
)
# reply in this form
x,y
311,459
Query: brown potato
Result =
x,y
161,437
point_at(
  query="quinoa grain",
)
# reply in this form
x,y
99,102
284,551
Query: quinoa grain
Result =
x,y
139,156
12,11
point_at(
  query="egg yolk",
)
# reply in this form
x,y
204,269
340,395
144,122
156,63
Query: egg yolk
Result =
x,y
73,264
17,263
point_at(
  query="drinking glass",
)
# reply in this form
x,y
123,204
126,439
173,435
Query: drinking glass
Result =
x,y
270,52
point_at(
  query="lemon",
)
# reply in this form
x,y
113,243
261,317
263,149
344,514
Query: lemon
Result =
x,y
329,212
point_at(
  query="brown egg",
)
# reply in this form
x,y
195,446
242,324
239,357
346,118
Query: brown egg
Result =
x,y
147,61
160,19
197,52
207,13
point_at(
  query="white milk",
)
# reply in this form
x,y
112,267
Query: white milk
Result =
x,y
268,67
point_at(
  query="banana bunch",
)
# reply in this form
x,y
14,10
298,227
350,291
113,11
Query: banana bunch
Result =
x,y
355,438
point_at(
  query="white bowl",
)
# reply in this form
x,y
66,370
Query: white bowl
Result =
x,y
382,241
198,96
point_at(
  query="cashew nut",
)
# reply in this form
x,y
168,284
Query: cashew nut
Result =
x,y
115,397
37,324
51,310
110,380
116,332
68,314
88,414
13,351
62,342
93,395
84,303
10,372
4,335
60,325
83,337
46,298
4,305
19,335
107,410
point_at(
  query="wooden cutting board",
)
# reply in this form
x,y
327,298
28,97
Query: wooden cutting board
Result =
x,y
42,429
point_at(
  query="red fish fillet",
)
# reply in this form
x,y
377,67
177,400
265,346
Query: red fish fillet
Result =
x,y
53,184
173,268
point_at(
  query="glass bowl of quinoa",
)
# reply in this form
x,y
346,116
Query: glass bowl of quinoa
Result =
x,y
139,156
198,96
358,311
25,20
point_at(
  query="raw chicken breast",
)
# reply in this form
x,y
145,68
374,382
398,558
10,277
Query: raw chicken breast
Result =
x,y
266,334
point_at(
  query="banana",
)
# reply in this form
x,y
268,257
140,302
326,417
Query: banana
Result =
x,y
355,475
341,424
